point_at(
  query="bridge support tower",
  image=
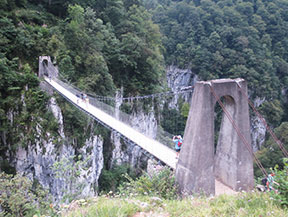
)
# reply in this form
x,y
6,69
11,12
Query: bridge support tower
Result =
x,y
46,67
231,162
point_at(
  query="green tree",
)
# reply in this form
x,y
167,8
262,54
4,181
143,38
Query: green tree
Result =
x,y
67,170
273,111
111,179
19,197
271,154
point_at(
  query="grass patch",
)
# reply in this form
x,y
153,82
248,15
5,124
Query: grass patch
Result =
x,y
105,207
243,204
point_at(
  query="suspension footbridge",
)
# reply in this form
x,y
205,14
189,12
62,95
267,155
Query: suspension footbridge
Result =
x,y
155,148
201,167
160,151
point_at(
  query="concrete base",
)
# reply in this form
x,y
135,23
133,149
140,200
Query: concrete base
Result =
x,y
198,165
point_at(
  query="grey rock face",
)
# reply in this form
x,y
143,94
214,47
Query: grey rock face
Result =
x,y
258,132
118,155
258,129
177,79
37,160
124,151
58,115
90,176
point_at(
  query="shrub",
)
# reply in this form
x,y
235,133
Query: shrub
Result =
x,y
18,197
161,184
111,179
68,171
282,178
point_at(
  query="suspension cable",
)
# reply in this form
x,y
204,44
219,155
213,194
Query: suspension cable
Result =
x,y
240,134
278,142
104,98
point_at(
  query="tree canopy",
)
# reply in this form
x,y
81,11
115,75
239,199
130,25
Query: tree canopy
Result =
x,y
99,45
220,39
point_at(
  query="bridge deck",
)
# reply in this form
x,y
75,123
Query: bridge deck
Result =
x,y
160,151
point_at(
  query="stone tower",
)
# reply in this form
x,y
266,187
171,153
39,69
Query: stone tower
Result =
x,y
232,162
46,67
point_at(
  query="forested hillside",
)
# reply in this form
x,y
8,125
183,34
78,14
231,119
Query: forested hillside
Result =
x,y
98,45
220,39
230,39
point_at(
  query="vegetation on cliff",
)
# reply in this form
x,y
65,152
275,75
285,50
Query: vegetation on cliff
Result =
x,y
98,45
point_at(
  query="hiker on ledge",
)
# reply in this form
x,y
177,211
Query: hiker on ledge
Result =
x,y
178,143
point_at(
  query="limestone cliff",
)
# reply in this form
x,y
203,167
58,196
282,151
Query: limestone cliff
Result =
x,y
36,161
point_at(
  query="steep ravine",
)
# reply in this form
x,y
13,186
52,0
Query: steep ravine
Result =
x,y
36,161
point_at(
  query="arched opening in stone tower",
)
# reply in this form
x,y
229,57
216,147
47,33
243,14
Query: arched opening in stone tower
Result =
x,y
225,157
45,62
45,66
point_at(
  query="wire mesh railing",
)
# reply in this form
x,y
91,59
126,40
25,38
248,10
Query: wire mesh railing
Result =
x,y
107,104
157,133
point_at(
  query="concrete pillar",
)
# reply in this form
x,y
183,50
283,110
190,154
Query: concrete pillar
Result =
x,y
198,165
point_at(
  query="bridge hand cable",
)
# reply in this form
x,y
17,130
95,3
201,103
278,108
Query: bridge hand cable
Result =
x,y
162,136
131,98
278,142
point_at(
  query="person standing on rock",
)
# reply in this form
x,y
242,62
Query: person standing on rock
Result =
x,y
178,143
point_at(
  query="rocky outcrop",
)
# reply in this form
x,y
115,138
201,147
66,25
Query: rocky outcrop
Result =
x,y
258,129
180,78
123,150
258,132
177,78
38,160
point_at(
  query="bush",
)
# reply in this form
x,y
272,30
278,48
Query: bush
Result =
x,y
111,179
161,184
271,154
68,171
18,197
282,178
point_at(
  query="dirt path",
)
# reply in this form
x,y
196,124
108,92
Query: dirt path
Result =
x,y
150,214
220,188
